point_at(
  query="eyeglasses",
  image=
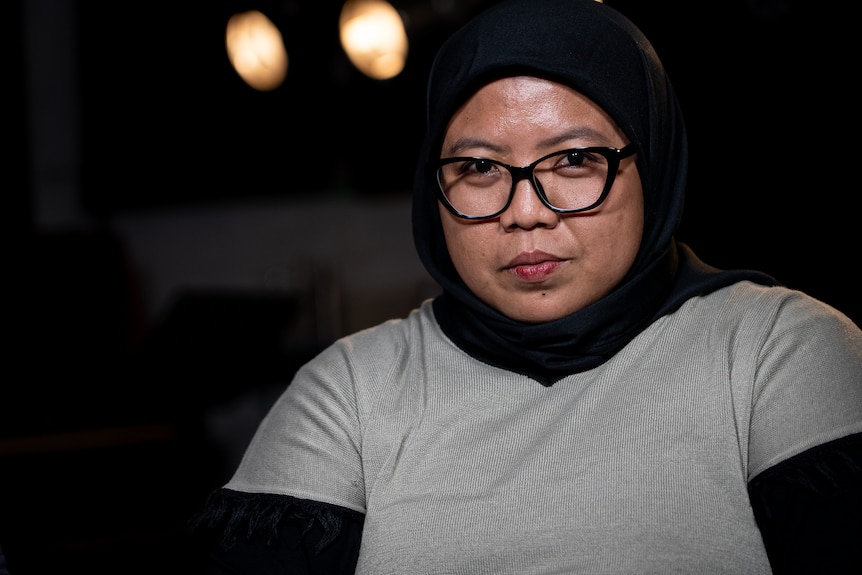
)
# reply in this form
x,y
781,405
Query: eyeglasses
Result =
x,y
568,181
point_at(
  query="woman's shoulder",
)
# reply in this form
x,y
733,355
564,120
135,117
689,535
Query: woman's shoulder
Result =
x,y
377,352
393,332
784,304
760,318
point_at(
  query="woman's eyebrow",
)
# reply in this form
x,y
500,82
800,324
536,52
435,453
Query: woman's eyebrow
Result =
x,y
460,146
579,133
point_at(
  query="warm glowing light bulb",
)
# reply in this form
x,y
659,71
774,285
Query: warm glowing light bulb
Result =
x,y
256,50
373,36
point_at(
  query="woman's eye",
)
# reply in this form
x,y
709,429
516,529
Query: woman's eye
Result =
x,y
574,159
483,166
479,168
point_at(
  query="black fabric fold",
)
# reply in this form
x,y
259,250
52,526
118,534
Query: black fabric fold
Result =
x,y
548,352
809,509
238,515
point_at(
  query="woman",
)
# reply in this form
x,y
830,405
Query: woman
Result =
x,y
585,396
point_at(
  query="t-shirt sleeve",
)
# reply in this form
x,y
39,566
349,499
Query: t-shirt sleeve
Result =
x,y
807,388
309,444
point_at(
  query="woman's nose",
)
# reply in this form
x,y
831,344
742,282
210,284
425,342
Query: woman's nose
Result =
x,y
526,209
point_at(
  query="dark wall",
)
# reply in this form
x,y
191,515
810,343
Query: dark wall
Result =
x,y
765,85
166,116
14,136
766,89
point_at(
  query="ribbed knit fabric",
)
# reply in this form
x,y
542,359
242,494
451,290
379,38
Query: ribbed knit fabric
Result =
x,y
639,465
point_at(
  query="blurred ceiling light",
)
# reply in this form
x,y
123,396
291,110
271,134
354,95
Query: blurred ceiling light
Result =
x,y
256,50
373,36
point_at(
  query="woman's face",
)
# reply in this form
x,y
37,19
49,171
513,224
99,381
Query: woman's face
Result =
x,y
531,263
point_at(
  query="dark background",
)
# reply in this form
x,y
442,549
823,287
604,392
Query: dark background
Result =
x,y
105,448
176,112
765,85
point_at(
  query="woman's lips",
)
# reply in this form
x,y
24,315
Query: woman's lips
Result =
x,y
534,266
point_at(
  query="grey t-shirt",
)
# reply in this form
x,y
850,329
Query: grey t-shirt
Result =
x,y
637,466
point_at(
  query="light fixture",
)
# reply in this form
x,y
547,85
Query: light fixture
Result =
x,y
256,50
373,36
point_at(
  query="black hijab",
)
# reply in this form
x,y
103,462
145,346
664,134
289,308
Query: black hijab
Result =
x,y
592,48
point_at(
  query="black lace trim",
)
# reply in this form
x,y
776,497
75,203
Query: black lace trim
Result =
x,y
819,470
262,514
809,509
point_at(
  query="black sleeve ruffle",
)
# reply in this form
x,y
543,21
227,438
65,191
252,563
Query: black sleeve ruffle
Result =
x,y
809,509
265,533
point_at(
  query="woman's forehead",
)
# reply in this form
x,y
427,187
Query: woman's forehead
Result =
x,y
527,107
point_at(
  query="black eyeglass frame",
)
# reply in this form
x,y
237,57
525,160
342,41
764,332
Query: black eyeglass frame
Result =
x,y
611,154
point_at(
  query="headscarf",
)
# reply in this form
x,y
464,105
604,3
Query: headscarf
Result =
x,y
597,51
